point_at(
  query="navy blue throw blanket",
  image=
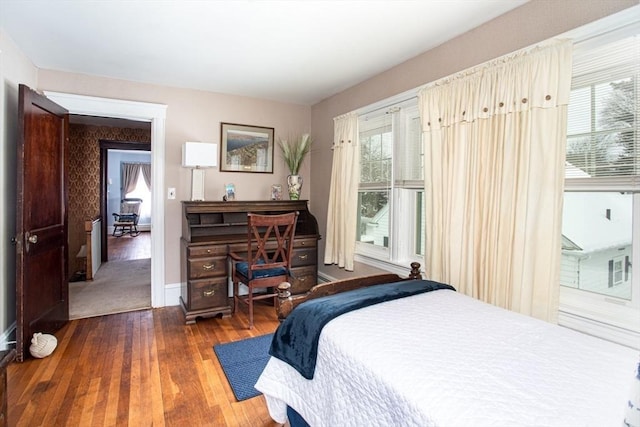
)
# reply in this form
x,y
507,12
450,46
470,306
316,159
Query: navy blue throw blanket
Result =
x,y
296,339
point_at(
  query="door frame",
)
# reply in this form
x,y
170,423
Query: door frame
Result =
x,y
105,146
145,112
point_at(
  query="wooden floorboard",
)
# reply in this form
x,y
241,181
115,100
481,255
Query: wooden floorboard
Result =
x,y
139,368
127,247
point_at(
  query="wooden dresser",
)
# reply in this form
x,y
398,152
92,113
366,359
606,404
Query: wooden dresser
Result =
x,y
210,230
6,357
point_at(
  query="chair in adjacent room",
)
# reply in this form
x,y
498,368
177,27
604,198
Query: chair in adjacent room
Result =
x,y
126,221
268,259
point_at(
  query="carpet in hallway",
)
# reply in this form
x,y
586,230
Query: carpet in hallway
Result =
x,y
118,286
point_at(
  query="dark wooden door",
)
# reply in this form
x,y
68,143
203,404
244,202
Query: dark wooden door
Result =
x,y
42,303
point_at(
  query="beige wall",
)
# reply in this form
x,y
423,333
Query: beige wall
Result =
x,y
533,22
15,68
195,116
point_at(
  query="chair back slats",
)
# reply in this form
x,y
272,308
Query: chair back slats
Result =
x,y
268,260
130,206
270,240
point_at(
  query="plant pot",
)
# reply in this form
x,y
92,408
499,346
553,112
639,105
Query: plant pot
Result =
x,y
295,186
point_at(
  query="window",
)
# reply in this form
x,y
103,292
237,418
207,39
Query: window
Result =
x,y
142,192
391,190
601,230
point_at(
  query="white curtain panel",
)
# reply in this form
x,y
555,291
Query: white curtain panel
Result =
x,y
146,174
130,173
495,141
342,213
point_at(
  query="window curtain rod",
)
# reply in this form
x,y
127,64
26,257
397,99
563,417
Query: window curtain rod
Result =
x,y
388,104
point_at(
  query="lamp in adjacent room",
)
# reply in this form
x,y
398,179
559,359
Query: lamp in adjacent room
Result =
x,y
198,156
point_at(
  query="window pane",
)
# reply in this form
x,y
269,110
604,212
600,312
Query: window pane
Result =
x,y
579,111
603,130
614,104
602,154
597,242
411,152
375,158
391,184
373,222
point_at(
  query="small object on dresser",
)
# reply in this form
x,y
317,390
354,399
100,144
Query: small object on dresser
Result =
x,y
276,192
42,345
230,192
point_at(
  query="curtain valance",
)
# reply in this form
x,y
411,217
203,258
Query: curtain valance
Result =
x,y
514,83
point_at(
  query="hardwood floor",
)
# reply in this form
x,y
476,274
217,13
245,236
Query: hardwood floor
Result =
x,y
139,369
127,247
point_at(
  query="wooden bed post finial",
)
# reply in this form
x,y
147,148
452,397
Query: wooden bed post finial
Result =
x,y
284,304
415,271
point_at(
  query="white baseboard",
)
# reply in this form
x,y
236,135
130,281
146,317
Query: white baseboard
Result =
x,y
324,278
172,294
7,339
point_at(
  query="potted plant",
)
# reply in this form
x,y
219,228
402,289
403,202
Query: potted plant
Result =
x,y
294,151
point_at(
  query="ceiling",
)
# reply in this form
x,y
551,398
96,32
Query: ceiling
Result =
x,y
291,51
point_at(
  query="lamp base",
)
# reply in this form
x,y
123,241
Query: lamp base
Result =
x,y
197,185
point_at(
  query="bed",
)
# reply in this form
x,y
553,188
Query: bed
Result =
x,y
441,358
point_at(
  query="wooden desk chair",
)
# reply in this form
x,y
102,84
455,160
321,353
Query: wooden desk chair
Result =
x,y
268,259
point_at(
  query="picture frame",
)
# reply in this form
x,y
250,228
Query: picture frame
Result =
x,y
276,192
246,148
229,192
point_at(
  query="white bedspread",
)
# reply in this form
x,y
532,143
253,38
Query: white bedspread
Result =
x,y
445,359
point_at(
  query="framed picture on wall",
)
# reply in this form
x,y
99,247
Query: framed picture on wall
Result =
x,y
245,148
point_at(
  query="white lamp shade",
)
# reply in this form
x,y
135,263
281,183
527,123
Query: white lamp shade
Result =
x,y
199,154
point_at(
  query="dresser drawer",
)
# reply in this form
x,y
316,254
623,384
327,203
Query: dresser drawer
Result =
x,y
303,278
304,256
200,268
206,251
305,243
208,293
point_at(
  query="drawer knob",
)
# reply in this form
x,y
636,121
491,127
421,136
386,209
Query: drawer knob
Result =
x,y
209,293
303,257
208,251
208,266
302,279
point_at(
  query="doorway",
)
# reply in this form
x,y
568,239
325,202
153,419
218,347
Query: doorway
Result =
x,y
114,156
139,111
119,285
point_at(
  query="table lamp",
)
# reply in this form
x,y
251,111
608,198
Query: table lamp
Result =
x,y
198,156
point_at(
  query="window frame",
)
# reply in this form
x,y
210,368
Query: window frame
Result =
x,y
402,197
607,316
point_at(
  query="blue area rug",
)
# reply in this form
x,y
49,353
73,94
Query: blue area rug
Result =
x,y
243,362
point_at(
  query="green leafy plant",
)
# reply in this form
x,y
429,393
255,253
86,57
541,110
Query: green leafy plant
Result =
x,y
294,151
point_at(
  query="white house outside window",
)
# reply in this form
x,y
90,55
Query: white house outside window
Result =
x,y
601,227
391,190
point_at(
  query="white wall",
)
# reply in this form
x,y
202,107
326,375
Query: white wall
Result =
x,y
15,68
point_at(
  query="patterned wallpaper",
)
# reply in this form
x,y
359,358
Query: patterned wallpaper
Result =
x,y
84,177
